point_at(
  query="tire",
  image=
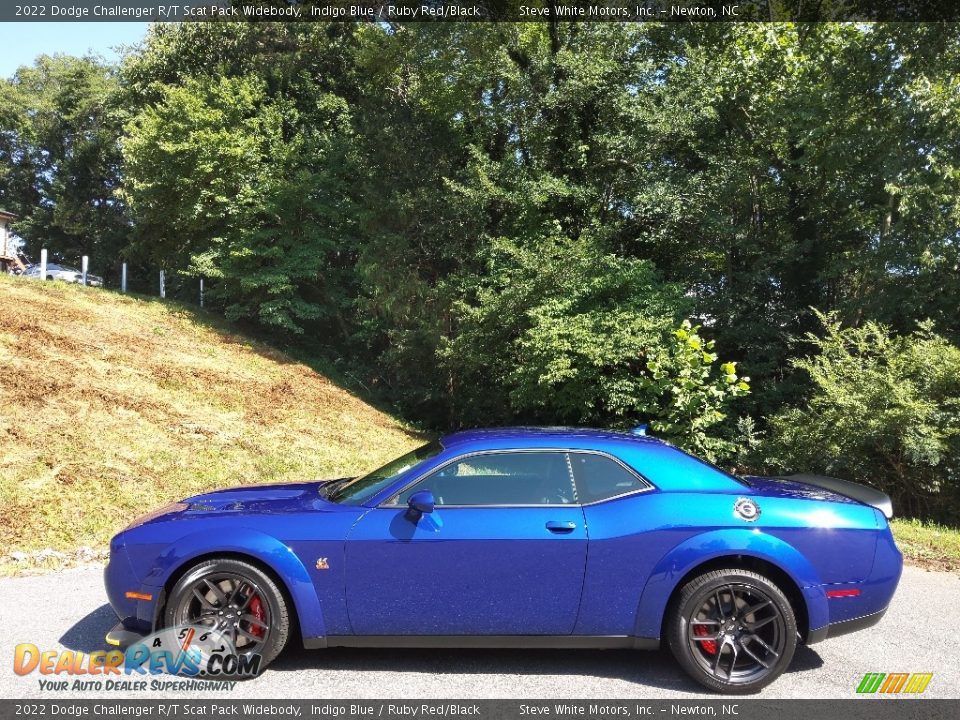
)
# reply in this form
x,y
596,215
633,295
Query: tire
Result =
x,y
260,620
733,631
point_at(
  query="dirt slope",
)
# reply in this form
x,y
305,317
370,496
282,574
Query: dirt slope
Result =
x,y
111,405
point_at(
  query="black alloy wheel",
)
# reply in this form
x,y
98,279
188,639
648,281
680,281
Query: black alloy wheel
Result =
x,y
236,599
734,631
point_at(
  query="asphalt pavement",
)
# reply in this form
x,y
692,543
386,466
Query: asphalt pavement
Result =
x,y
920,633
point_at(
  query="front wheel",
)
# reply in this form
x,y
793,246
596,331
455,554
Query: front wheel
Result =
x,y
733,631
236,599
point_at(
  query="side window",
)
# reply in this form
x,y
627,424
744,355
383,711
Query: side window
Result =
x,y
521,478
599,477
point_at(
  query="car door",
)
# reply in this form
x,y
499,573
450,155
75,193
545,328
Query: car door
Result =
x,y
503,552
629,534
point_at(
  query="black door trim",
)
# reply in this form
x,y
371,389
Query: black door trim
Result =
x,y
569,642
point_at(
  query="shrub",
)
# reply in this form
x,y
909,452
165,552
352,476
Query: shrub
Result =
x,y
884,411
567,334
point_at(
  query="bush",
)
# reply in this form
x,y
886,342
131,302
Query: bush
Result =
x,y
885,411
565,333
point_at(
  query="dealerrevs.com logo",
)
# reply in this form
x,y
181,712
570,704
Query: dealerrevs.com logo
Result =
x,y
205,657
894,683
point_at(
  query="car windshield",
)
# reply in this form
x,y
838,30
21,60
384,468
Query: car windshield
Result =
x,y
355,491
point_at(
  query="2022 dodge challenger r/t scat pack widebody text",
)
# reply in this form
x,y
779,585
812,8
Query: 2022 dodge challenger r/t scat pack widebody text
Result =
x,y
521,537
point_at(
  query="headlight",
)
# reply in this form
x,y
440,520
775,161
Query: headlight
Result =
x,y
165,510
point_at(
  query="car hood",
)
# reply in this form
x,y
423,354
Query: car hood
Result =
x,y
283,497
821,487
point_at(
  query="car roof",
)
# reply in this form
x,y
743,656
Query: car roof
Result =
x,y
534,437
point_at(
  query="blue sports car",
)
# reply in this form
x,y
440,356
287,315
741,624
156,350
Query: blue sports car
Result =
x,y
521,537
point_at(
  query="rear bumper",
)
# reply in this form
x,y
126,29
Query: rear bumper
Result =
x,y
844,627
867,601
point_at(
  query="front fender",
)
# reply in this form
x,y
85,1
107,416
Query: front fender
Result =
x,y
708,546
258,545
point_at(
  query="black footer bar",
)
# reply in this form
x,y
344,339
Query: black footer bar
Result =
x,y
873,708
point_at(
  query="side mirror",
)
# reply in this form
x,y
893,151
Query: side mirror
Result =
x,y
421,501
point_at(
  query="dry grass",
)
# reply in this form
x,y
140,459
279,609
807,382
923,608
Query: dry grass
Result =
x,y
933,546
111,405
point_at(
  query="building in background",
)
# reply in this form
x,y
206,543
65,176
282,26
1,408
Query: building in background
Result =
x,y
10,260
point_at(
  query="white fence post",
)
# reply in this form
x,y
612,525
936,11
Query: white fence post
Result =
x,y
163,286
123,278
84,264
201,292
43,264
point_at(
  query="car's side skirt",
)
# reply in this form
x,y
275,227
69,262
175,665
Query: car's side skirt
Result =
x,y
564,642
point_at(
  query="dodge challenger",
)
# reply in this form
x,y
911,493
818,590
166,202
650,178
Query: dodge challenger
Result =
x,y
521,537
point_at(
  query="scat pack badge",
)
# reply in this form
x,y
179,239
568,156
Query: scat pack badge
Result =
x,y
746,509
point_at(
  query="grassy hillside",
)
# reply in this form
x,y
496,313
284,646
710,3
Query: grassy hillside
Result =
x,y
111,405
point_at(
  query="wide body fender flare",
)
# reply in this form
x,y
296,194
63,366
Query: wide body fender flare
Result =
x,y
261,547
702,548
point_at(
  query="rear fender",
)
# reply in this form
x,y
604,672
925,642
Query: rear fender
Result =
x,y
255,544
707,546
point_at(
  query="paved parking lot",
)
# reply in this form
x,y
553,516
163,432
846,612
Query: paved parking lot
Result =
x,y
920,633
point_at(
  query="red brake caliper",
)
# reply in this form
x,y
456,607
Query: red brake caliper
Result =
x,y
708,645
256,609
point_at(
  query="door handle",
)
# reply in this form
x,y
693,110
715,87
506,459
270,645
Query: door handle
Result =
x,y
561,526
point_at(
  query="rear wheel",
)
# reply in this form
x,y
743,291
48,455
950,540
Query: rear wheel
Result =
x,y
733,631
236,599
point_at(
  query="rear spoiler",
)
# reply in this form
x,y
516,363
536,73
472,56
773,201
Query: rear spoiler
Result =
x,y
861,493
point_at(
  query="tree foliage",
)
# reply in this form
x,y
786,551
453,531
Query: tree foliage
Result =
x,y
566,334
885,411
545,222
60,160
238,176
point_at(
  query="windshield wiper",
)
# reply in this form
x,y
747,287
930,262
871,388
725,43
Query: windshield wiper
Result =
x,y
331,486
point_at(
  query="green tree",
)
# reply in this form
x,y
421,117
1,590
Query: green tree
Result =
x,y
240,166
814,165
766,168
885,411
60,159
218,185
563,333
762,169
193,162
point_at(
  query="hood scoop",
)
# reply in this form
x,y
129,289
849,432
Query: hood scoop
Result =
x,y
262,498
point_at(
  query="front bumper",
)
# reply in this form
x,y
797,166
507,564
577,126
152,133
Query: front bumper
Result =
x,y
134,603
121,637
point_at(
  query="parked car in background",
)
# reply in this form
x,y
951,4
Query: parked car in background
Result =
x,y
64,273
521,537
